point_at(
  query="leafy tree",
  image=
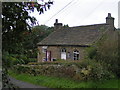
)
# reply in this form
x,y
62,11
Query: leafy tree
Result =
x,y
36,35
108,52
66,25
16,20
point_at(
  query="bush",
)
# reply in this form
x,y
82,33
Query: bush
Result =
x,y
92,70
91,52
32,60
32,63
5,58
98,72
14,59
108,52
85,70
21,69
10,59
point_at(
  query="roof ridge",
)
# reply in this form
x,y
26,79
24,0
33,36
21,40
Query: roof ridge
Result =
x,y
89,25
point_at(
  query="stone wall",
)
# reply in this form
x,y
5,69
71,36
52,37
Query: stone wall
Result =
x,y
56,52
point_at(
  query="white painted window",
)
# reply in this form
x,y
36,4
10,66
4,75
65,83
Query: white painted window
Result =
x,y
44,49
75,55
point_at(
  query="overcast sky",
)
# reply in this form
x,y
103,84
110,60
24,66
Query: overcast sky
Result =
x,y
79,12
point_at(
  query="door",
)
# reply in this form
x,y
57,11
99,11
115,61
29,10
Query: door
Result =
x,y
48,55
63,55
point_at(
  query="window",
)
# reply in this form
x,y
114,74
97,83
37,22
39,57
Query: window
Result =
x,y
63,50
76,55
44,49
68,55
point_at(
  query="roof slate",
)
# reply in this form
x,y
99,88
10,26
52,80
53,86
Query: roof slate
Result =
x,y
80,35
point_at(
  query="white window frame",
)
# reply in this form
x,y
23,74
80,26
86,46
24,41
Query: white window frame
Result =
x,y
44,49
75,55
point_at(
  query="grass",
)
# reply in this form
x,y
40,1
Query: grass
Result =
x,y
56,82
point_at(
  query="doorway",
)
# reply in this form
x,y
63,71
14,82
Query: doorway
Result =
x,y
63,53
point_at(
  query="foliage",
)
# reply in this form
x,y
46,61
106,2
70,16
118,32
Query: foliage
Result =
x,y
66,25
108,51
16,21
37,34
58,82
85,70
5,79
91,52
14,59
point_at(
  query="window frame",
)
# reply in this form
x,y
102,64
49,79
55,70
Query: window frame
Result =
x,y
76,55
44,49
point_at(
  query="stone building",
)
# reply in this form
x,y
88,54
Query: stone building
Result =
x,y
69,43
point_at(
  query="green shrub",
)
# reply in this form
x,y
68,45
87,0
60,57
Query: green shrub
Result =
x,y
32,60
32,63
10,59
21,69
92,70
108,52
91,52
98,72
5,58
84,70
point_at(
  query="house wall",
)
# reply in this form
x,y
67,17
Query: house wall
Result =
x,y
56,52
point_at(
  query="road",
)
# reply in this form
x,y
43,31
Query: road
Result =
x,y
22,84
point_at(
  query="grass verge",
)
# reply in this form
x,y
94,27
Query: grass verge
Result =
x,y
56,82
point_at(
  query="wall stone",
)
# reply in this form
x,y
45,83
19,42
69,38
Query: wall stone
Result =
x,y
56,52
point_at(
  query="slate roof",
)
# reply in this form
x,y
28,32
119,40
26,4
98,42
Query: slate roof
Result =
x,y
80,35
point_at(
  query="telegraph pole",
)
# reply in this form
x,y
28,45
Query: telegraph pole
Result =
x,y
119,14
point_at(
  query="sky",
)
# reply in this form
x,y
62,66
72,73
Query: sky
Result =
x,y
79,12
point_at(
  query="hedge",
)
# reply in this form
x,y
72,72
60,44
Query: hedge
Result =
x,y
87,70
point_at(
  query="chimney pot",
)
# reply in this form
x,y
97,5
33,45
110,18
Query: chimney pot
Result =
x,y
109,14
56,21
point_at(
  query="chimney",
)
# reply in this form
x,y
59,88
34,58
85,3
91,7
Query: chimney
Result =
x,y
57,25
110,20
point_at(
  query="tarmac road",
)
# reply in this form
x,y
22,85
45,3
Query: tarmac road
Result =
x,y
22,84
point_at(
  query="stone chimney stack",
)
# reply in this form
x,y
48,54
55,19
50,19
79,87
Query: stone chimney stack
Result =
x,y
110,21
57,25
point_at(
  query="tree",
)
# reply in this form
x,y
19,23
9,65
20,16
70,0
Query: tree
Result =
x,y
108,52
16,20
37,34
